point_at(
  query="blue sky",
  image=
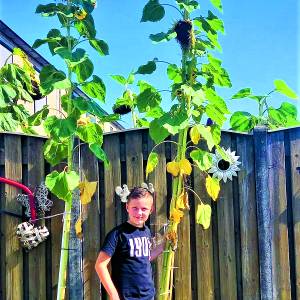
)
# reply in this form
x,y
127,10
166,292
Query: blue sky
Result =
x,y
260,43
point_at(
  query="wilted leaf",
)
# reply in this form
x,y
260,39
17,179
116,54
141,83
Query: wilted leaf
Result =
x,y
185,166
173,168
212,187
87,190
151,163
78,228
195,135
176,215
203,215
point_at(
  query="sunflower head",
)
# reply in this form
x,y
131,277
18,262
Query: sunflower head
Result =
x,y
122,109
185,34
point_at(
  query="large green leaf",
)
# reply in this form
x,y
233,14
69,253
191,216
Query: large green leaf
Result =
x,y
95,88
119,78
215,113
155,112
157,132
90,106
147,99
55,151
51,79
243,93
216,100
215,72
242,121
62,184
202,158
47,10
174,73
276,116
153,11
7,94
100,46
40,42
86,27
214,22
288,109
84,70
283,88
189,6
217,4
60,128
99,152
148,68
162,36
7,121
205,132
37,118
90,133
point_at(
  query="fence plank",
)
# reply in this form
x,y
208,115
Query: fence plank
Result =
x,y
134,158
91,226
159,216
36,256
204,244
248,222
228,284
277,188
294,136
12,258
112,178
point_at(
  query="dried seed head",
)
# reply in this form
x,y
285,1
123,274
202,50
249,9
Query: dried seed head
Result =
x,y
121,109
185,34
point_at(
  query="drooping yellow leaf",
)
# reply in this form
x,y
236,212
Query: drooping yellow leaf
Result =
x,y
173,168
203,215
151,163
195,135
176,215
183,201
185,166
213,187
82,121
78,228
87,190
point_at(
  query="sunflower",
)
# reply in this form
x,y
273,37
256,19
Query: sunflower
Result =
x,y
223,169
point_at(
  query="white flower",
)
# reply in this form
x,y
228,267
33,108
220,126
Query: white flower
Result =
x,y
223,169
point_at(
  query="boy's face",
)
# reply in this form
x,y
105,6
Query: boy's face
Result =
x,y
139,210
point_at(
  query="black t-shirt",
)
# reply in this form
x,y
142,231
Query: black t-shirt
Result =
x,y
129,249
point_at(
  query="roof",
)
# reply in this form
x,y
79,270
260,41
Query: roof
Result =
x,y
11,40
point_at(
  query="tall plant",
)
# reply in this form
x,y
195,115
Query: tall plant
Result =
x,y
194,96
283,116
76,21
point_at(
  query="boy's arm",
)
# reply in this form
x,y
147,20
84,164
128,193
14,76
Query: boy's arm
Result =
x,y
105,278
157,250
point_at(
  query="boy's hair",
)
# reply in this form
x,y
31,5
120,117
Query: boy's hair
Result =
x,y
139,192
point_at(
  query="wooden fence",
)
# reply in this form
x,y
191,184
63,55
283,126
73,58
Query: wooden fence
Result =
x,y
251,250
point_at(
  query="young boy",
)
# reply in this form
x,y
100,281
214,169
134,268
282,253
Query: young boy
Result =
x,y
127,246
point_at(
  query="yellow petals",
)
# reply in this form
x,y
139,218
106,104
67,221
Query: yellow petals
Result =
x,y
173,168
176,215
195,135
81,14
185,166
87,190
78,228
213,187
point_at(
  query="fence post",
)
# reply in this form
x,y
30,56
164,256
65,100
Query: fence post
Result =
x,y
263,212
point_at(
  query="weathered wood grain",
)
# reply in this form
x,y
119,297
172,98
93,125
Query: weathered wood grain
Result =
x,y
248,222
277,190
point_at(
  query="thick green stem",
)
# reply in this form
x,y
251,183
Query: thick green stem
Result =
x,y
64,254
166,284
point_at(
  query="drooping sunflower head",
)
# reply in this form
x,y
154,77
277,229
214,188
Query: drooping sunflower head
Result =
x,y
185,34
122,109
